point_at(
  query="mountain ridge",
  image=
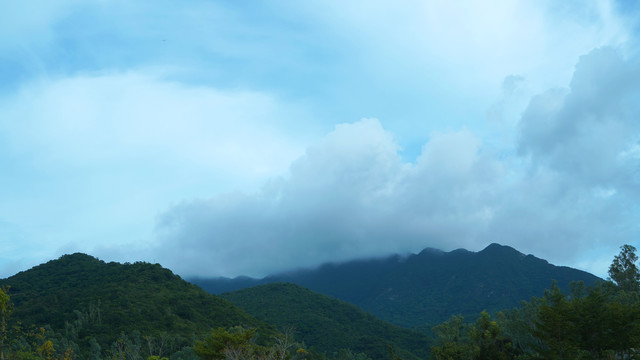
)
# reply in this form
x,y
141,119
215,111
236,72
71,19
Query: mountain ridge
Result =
x,y
421,290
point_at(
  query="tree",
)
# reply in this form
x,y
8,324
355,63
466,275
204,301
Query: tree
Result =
x,y
237,343
6,307
453,340
518,324
223,344
488,340
556,327
280,349
457,340
623,271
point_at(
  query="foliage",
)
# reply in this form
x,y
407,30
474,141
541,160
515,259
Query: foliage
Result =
x,y
326,324
419,291
120,308
5,312
237,343
488,340
221,343
597,322
480,341
591,324
78,307
140,311
82,296
453,340
30,343
348,354
623,271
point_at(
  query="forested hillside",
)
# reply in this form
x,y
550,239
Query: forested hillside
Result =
x,y
425,289
86,300
78,307
597,322
326,324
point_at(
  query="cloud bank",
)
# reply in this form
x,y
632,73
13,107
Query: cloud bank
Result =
x,y
113,111
84,158
570,187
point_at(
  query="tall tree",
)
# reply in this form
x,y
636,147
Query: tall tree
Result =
x,y
623,271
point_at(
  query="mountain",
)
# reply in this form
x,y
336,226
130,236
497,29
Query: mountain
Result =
x,y
421,290
328,324
83,297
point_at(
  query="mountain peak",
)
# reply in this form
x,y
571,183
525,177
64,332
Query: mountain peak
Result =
x,y
143,296
431,251
497,249
78,257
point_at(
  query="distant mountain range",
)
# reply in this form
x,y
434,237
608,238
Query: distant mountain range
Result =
x,y
424,289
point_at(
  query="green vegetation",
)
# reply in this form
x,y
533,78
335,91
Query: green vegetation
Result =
x,y
328,325
78,307
624,272
119,308
597,322
78,292
419,291
237,343
482,340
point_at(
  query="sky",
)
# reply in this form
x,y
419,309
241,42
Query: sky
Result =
x,y
227,138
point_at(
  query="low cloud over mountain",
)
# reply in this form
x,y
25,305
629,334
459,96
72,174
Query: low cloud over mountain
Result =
x,y
570,187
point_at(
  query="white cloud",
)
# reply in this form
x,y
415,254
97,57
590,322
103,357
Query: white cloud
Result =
x,y
578,188
96,142
351,195
478,41
87,120
584,132
314,215
93,157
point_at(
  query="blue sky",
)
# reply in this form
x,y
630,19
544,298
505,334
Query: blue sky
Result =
x,y
244,138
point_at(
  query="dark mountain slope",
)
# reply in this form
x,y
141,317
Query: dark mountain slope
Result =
x,y
425,289
81,296
327,324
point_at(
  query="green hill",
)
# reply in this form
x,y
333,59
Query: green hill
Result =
x,y
82,297
326,324
425,289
